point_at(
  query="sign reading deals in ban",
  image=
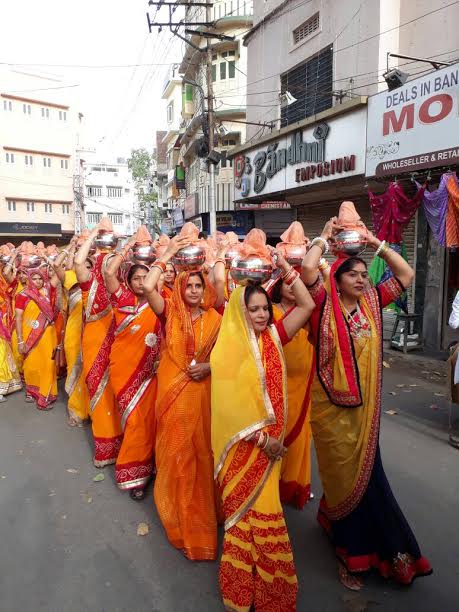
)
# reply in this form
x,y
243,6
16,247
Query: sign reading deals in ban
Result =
x,y
415,126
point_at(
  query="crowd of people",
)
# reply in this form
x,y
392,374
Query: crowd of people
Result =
x,y
216,389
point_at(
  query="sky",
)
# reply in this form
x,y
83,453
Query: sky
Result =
x,y
122,106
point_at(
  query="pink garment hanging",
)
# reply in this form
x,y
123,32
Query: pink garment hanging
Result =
x,y
392,212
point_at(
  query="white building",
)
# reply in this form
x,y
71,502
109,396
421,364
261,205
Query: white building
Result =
x,y
39,127
110,191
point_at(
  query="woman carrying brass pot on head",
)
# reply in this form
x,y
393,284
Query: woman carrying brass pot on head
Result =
x,y
358,509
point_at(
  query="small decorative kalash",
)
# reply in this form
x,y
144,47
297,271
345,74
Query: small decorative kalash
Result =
x,y
106,240
352,239
192,256
255,263
143,252
294,244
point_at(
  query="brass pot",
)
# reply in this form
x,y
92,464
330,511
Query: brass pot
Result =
x,y
349,242
293,253
106,241
251,271
144,254
189,258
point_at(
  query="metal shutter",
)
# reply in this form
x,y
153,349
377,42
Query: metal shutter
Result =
x,y
274,222
311,84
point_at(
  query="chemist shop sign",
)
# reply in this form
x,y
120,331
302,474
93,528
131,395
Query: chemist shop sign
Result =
x,y
320,152
415,126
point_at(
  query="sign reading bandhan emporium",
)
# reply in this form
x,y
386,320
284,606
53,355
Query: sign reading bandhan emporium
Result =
x,y
320,152
415,126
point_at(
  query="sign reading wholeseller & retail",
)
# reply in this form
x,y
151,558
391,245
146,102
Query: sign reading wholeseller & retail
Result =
x,y
324,151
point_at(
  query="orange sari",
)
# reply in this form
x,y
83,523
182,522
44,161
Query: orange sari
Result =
x,y
295,483
249,395
98,333
184,488
134,359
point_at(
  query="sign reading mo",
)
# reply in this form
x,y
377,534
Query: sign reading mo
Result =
x,y
432,110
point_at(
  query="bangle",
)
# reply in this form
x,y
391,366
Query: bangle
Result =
x,y
65,251
261,438
381,248
323,264
21,342
286,273
292,278
266,442
322,243
220,260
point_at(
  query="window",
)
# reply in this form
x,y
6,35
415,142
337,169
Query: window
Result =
x,y
9,158
48,208
47,162
27,109
62,116
11,205
222,71
7,105
28,160
64,164
65,209
114,192
231,69
170,112
30,206
95,169
111,170
306,29
45,113
214,73
311,83
115,218
94,190
93,217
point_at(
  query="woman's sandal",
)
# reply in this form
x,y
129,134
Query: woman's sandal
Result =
x,y
353,583
137,494
29,399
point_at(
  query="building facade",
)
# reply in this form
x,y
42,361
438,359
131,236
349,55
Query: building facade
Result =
x,y
39,129
311,68
228,73
110,191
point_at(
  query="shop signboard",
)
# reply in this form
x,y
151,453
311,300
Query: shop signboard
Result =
x,y
320,152
177,217
415,126
267,205
191,208
239,222
30,229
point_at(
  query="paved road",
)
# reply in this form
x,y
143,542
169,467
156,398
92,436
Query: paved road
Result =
x,y
69,544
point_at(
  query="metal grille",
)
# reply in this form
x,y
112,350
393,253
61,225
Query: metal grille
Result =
x,y
310,84
306,29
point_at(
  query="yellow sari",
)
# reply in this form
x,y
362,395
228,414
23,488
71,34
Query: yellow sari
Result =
x,y
249,394
39,335
295,484
75,386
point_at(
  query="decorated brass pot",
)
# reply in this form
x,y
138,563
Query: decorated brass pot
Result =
x,y
189,257
350,242
251,270
293,253
106,241
144,254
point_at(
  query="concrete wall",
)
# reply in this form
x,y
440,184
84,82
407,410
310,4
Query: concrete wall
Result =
x,y
357,68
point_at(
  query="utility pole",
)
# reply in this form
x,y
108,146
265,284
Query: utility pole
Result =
x,y
211,125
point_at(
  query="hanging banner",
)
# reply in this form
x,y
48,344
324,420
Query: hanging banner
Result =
x,y
415,126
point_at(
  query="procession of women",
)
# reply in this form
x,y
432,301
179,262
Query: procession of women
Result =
x,y
214,368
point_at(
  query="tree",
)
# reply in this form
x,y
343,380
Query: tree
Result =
x,y
139,165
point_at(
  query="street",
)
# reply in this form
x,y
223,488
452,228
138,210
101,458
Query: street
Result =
x,y
70,543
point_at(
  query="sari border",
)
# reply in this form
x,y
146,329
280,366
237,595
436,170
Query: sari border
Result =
x,y
242,511
99,392
72,379
134,401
